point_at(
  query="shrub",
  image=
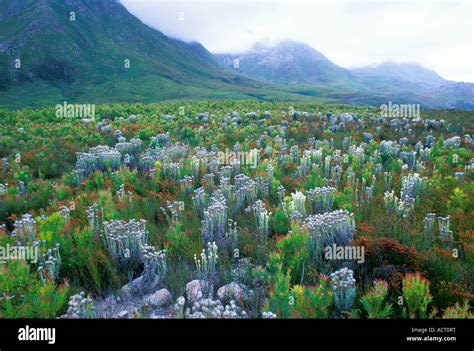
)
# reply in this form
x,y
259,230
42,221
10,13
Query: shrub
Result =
x,y
279,295
343,286
373,301
458,311
281,223
416,293
312,302
294,252
25,296
178,246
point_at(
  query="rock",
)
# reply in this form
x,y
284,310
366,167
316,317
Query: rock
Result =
x,y
160,298
122,314
231,291
194,290
139,287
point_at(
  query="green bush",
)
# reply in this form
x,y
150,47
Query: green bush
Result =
x,y
25,296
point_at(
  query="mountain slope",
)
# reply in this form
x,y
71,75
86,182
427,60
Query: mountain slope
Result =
x,y
85,59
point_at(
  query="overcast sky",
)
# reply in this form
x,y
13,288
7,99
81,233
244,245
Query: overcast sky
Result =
x,y
436,34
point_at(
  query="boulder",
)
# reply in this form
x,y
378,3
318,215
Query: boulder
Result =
x,y
231,291
194,290
141,286
123,314
160,298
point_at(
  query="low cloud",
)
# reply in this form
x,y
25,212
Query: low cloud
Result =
x,y
439,35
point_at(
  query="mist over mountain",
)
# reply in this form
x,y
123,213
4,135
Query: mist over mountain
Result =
x,y
298,64
288,62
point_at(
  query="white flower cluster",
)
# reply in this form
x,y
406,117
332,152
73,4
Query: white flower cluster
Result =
x,y
298,203
445,234
94,218
334,227
262,217
215,219
397,206
64,211
49,264
154,262
428,227
206,266
245,191
80,306
166,154
160,140
214,309
269,315
454,142
176,209
343,286
99,158
200,201
125,240
412,185
390,147
186,184
342,279
172,169
3,189
305,166
132,147
409,158
321,199
25,229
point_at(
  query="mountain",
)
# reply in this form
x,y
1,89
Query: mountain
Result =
x,y
413,83
401,73
401,80
289,63
85,59
298,65
456,95
95,51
